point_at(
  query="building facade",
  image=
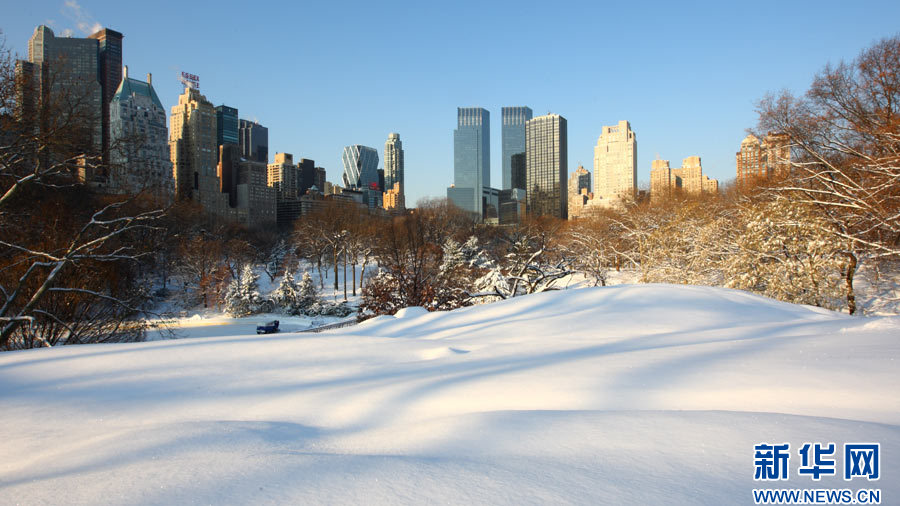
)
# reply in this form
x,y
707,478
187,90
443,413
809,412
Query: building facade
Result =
x,y
471,159
194,152
393,199
759,161
251,201
284,179
360,167
580,195
254,141
615,164
546,153
227,125
394,165
513,141
109,74
140,156
67,68
665,181
578,180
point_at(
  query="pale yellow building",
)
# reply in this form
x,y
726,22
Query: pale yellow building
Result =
x,y
665,180
760,161
284,176
392,200
615,164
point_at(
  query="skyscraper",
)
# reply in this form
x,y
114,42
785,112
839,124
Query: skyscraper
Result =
x,y
194,153
226,125
67,68
109,74
615,164
284,177
214,176
254,141
360,167
139,136
546,153
471,159
513,141
393,164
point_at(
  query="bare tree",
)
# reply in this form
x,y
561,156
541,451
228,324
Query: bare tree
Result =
x,y
844,137
69,258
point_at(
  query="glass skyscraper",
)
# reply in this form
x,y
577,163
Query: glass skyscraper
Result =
x,y
254,140
514,119
471,158
360,167
546,159
226,125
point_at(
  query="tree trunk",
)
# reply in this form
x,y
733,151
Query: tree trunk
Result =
x,y
851,296
345,274
334,254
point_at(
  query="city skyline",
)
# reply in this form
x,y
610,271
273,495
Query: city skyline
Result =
x,y
686,92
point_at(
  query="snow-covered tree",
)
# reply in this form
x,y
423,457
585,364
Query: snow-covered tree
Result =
x,y
287,296
242,297
528,260
307,292
844,140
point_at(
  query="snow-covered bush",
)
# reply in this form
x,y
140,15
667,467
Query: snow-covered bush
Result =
x,y
785,253
323,308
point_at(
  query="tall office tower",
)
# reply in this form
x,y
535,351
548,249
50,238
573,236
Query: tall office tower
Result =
x,y
360,167
513,134
320,179
307,174
66,69
194,153
393,163
547,157
139,138
518,170
226,125
109,74
254,141
471,159
615,164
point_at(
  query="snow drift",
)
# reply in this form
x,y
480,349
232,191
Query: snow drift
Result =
x,y
625,394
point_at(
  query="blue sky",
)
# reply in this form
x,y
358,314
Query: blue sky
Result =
x,y
324,75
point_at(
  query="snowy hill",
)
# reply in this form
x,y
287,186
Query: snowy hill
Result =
x,y
626,394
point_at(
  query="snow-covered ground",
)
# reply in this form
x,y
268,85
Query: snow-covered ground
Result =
x,y
630,394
